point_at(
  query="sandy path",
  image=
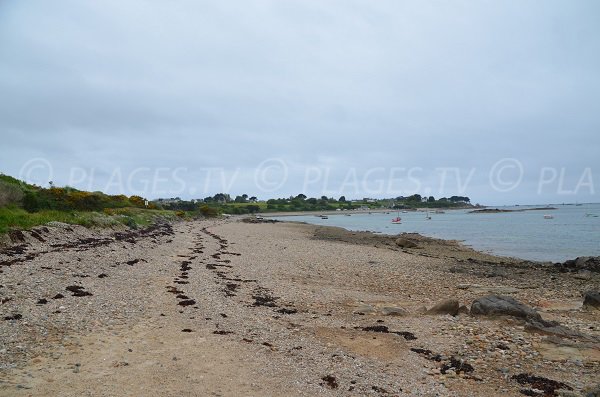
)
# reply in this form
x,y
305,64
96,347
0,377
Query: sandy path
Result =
x,y
145,353
271,310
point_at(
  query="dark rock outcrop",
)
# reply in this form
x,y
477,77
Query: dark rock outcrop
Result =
x,y
591,300
591,263
405,243
497,305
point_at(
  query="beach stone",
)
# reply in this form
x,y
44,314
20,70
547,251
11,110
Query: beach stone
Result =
x,y
449,306
591,299
497,305
592,391
583,275
366,309
393,311
551,328
405,243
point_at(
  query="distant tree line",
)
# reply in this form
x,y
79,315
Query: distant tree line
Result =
x,y
35,198
245,204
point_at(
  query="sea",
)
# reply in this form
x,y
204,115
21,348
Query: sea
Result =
x,y
548,235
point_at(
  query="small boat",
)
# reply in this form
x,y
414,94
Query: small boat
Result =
x,y
428,217
439,212
324,217
405,212
591,215
548,217
397,219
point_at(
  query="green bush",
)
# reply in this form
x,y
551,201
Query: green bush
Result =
x,y
31,202
208,212
10,194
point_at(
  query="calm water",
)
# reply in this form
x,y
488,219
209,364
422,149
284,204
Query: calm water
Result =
x,y
525,235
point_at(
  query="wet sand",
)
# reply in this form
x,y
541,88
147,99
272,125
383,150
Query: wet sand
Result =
x,y
233,308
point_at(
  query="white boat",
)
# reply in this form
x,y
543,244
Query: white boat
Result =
x,y
428,217
548,217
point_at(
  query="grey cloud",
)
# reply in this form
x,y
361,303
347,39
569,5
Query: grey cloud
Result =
x,y
336,84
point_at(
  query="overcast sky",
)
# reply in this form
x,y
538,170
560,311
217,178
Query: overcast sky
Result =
x,y
272,98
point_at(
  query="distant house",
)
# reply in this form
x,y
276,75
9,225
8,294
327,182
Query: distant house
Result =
x,y
173,200
365,200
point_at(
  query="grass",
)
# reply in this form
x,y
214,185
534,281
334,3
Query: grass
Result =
x,y
13,217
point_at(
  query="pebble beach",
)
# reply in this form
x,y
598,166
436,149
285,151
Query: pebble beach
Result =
x,y
257,307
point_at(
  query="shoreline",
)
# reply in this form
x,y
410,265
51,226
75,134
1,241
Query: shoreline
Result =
x,y
529,245
290,308
423,241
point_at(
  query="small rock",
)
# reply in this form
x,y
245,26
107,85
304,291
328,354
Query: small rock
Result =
x,y
583,275
393,311
365,309
405,243
591,300
449,306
